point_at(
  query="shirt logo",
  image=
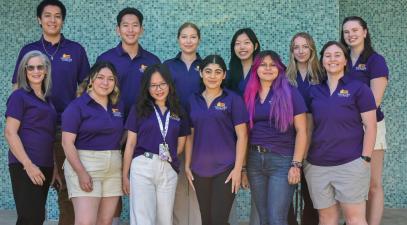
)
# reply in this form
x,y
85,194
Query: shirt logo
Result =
x,y
361,67
197,68
221,106
116,112
175,117
142,68
343,93
66,58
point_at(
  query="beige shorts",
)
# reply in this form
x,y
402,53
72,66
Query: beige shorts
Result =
x,y
381,136
105,168
346,183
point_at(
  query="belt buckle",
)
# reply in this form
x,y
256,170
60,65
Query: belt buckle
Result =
x,y
260,149
148,155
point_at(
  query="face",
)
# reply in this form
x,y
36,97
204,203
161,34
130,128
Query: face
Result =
x,y
354,34
244,48
188,40
301,50
159,88
212,76
334,60
51,20
130,29
267,70
103,83
35,71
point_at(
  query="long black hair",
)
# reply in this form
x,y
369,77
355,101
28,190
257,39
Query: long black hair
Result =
x,y
235,65
144,103
367,48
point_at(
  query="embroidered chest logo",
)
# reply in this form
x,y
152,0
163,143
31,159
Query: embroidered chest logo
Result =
x,y
66,58
197,68
343,93
361,67
221,106
142,68
175,117
116,112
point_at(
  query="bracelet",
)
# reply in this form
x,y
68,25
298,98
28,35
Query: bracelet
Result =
x,y
244,169
296,164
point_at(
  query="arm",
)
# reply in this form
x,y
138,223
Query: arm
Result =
x,y
128,156
378,86
181,144
71,153
241,147
17,148
188,156
300,125
369,138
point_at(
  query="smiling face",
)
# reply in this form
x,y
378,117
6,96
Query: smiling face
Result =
x,y
244,47
51,20
130,29
35,71
334,60
301,50
267,70
103,83
212,76
159,88
354,34
188,40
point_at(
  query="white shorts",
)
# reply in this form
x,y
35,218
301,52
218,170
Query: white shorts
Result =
x,y
381,136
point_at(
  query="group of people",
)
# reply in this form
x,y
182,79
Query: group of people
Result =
x,y
182,137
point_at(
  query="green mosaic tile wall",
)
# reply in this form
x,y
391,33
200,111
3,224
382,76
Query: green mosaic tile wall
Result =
x,y
92,23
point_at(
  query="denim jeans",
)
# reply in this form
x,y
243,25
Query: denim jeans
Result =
x,y
272,194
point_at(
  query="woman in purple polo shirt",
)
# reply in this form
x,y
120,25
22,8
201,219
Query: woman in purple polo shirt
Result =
x,y
29,130
369,67
216,148
157,129
303,70
277,137
92,129
338,171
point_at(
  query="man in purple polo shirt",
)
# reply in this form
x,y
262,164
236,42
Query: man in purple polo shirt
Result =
x,y
129,58
69,67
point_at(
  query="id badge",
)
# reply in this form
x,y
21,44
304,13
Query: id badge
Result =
x,y
164,152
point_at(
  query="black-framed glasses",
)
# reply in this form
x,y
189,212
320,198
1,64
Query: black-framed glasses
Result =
x,y
33,67
162,86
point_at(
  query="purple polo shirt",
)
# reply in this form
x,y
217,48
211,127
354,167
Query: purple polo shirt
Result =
x,y
68,69
375,67
214,147
129,71
37,126
95,127
187,82
149,135
303,85
338,130
264,132
243,82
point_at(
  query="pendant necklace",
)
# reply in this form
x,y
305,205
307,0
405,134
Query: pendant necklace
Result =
x,y
51,56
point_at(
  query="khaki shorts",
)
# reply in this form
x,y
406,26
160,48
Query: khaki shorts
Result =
x,y
105,168
381,136
346,183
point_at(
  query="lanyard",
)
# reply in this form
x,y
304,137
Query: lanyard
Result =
x,y
164,129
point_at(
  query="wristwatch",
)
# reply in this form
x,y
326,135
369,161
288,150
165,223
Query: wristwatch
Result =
x,y
366,158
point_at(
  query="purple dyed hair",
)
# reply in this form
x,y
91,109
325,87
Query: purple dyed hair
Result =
x,y
281,107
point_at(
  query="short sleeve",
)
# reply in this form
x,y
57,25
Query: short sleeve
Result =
x,y
298,102
308,99
15,106
71,119
84,66
131,122
377,67
239,111
364,99
185,128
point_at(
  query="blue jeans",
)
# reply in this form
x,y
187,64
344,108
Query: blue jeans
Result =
x,y
272,194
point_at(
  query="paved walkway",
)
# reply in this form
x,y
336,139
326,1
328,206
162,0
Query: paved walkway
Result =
x,y
391,217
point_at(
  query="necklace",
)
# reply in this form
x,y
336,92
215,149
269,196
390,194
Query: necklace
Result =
x,y
51,56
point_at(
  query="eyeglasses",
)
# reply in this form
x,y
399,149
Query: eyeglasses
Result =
x,y
33,67
162,86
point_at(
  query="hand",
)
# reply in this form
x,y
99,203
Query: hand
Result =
x,y
35,174
190,177
85,181
56,181
294,175
245,181
126,185
236,176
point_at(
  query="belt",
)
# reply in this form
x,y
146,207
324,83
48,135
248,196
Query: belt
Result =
x,y
259,148
149,155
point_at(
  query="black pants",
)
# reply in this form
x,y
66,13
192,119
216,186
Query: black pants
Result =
x,y
215,198
30,199
309,214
